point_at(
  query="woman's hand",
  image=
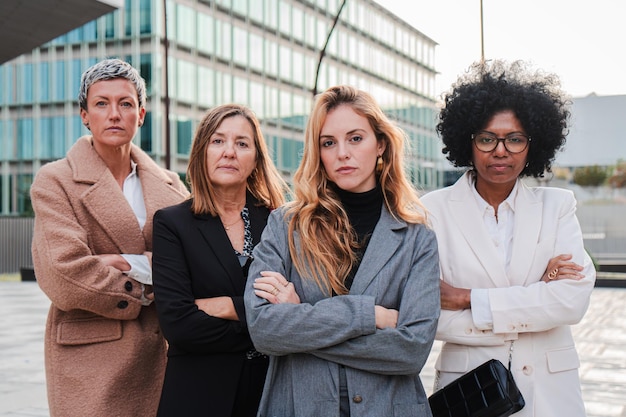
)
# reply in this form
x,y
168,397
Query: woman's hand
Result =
x,y
453,298
273,287
560,267
115,260
385,317
220,307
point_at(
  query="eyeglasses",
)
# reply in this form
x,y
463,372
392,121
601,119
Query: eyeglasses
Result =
x,y
514,142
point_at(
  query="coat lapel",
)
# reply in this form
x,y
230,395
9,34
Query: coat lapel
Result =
x,y
528,213
464,213
384,242
120,224
216,238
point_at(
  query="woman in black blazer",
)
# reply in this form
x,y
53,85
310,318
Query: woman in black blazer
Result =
x,y
202,251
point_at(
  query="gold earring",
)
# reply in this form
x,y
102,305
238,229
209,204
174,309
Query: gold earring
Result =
x,y
379,164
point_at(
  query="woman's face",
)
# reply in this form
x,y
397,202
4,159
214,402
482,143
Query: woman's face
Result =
x,y
500,167
349,149
231,153
113,114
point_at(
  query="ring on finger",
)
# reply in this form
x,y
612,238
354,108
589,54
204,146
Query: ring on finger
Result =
x,y
552,275
275,291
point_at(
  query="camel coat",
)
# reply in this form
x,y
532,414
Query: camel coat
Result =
x,y
104,351
535,315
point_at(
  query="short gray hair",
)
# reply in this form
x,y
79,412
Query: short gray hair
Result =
x,y
110,69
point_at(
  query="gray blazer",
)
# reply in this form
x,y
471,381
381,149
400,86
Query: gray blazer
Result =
x,y
309,341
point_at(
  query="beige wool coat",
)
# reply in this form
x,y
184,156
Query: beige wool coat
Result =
x,y
104,352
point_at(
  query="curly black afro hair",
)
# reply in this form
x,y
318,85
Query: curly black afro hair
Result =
x,y
494,86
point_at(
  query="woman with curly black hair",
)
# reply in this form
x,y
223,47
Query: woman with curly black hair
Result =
x,y
515,274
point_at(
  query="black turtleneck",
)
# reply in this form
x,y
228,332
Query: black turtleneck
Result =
x,y
363,211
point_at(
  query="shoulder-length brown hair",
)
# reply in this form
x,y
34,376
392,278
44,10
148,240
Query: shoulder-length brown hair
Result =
x,y
326,250
265,183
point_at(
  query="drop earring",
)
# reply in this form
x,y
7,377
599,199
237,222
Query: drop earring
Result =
x,y
379,164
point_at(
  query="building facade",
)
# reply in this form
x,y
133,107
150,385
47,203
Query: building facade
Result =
x,y
195,54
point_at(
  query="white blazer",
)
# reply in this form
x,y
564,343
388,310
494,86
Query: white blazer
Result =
x,y
534,314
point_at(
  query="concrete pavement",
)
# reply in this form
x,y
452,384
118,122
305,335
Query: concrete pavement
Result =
x,y
600,339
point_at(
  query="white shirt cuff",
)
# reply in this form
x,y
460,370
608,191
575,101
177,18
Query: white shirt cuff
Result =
x,y
140,269
481,309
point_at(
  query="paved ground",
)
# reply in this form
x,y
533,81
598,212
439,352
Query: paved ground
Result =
x,y
600,338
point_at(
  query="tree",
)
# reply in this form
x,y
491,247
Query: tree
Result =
x,y
590,175
618,179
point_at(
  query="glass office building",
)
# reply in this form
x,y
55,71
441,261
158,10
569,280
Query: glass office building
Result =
x,y
262,53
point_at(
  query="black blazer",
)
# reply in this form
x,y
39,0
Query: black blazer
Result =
x,y
193,258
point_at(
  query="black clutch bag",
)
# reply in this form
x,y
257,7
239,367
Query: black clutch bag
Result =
x,y
487,391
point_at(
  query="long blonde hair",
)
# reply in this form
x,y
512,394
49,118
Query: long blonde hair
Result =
x,y
265,182
327,241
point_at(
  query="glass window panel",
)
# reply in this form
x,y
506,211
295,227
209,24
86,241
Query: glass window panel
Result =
x,y
256,52
206,36
206,87
224,91
128,17
271,13
44,81
90,31
224,46
271,58
285,63
298,24
59,81
256,99
75,76
186,81
241,6
185,25
145,16
25,138
145,133
284,14
240,91
297,70
27,83
240,43
24,205
109,24
257,9
184,136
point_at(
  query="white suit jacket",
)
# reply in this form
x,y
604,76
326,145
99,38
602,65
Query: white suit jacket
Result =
x,y
534,314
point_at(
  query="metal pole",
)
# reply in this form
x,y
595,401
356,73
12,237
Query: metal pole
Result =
x,y
482,36
166,87
323,51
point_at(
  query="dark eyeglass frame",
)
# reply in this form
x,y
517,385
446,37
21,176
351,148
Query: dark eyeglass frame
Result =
x,y
498,140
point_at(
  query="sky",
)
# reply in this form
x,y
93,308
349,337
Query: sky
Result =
x,y
582,41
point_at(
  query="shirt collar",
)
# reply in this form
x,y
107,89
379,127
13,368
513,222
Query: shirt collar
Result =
x,y
483,205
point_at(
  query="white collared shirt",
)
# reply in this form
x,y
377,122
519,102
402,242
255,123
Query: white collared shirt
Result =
x,y
140,269
500,230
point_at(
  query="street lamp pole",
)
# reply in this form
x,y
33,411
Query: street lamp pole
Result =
x,y
323,51
482,35
166,42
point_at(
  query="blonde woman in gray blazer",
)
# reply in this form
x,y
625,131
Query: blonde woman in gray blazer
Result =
x,y
514,269
344,289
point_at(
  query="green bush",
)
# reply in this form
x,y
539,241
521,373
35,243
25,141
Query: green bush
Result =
x,y
590,176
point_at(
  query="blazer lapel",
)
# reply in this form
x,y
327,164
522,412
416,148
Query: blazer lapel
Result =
x,y
214,235
89,168
528,213
463,212
384,242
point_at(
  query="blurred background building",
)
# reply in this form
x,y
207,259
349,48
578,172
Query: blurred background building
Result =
x,y
195,54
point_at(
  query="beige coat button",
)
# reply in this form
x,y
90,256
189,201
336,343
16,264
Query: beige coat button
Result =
x,y
357,399
527,370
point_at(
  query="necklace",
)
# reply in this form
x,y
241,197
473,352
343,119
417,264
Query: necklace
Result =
x,y
228,226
